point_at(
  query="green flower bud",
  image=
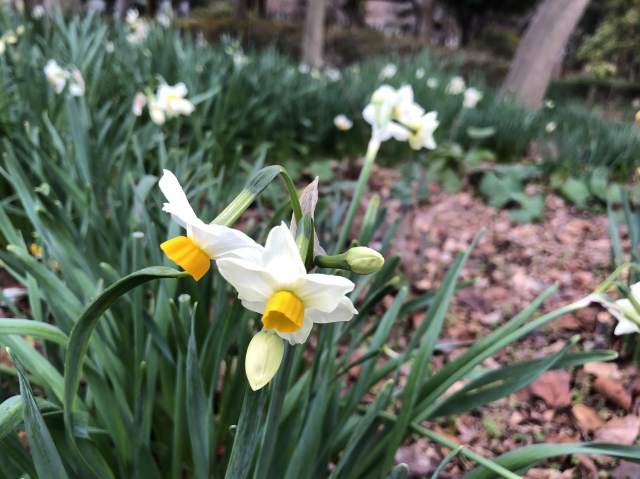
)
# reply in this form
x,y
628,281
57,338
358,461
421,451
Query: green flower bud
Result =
x,y
264,356
363,260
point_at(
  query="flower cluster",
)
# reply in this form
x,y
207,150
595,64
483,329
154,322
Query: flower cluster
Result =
x,y
168,102
393,114
59,76
38,12
139,27
271,280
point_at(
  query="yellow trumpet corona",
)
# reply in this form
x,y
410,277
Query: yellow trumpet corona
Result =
x,y
186,253
284,313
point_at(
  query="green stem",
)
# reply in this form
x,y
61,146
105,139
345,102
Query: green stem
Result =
x,y
270,435
451,445
256,185
372,151
612,277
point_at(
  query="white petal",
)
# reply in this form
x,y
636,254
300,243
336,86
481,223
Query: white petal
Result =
x,y
635,290
256,306
625,327
400,133
299,336
222,242
251,280
180,89
369,113
282,257
344,312
322,291
178,204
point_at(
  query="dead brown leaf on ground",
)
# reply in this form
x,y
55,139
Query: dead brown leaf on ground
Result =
x,y
626,470
623,430
553,388
588,420
614,391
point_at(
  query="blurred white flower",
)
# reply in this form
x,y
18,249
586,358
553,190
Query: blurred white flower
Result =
x,y
76,85
551,127
622,310
133,38
56,75
139,102
156,112
432,83
342,122
390,111
20,30
163,19
109,47
3,47
38,12
421,131
132,17
303,68
471,98
9,37
455,86
240,59
333,74
315,74
172,100
420,73
388,71
550,104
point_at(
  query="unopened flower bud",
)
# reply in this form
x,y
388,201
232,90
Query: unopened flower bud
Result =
x,y
264,356
363,260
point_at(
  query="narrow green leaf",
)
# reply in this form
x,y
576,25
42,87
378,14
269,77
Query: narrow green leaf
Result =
x,y
29,327
44,452
10,415
81,333
246,438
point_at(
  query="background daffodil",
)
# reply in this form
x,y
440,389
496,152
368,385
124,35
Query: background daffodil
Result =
x,y
279,287
203,242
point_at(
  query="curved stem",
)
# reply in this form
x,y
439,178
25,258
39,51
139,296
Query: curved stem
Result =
x,y
255,186
372,151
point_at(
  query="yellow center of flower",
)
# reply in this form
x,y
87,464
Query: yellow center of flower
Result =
x,y
284,313
186,253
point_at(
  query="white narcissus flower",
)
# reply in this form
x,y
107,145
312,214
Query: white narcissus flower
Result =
x,y
622,310
163,19
471,97
388,105
455,86
551,127
56,75
203,242
342,122
240,59
156,112
420,73
388,71
279,287
10,38
139,102
333,74
303,68
38,12
132,17
109,47
76,86
172,100
421,131
432,83
20,30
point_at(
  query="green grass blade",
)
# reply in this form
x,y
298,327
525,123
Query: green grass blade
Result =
x,y
44,452
10,415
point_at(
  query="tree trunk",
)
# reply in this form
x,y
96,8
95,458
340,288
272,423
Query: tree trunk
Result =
x,y
313,35
543,42
426,9
240,9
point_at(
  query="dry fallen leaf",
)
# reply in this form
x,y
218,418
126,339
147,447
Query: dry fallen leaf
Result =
x,y
588,419
609,370
537,473
623,430
553,388
614,391
626,470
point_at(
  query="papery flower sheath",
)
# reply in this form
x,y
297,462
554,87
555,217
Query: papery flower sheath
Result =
x,y
279,287
203,242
